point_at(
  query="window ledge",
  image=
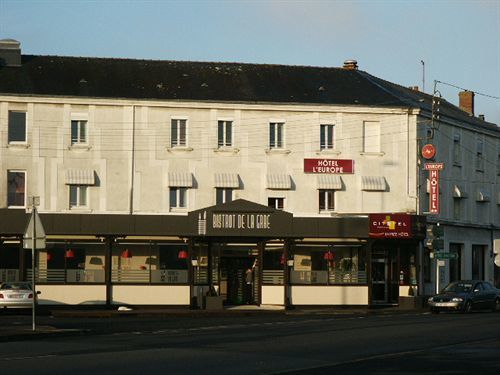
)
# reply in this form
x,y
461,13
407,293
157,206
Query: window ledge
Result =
x,y
82,210
227,150
372,153
281,151
80,146
178,209
179,149
18,145
328,151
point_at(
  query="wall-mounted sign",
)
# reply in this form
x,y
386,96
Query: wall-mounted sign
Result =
x,y
434,169
390,226
428,151
333,166
241,221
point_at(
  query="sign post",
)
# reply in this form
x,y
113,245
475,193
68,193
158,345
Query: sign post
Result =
x,y
34,238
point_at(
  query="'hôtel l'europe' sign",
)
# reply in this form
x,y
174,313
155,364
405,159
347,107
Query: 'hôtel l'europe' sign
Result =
x,y
329,166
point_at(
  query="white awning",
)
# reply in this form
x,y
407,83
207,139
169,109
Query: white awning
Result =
x,y
482,196
227,180
329,182
459,192
373,183
279,182
80,177
180,179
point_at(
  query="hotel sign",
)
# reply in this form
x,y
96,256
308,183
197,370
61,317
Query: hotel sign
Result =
x,y
329,166
390,226
434,169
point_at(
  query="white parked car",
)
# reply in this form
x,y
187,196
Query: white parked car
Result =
x,y
16,294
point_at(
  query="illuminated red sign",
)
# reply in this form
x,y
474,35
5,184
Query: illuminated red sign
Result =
x,y
434,191
390,226
333,166
428,151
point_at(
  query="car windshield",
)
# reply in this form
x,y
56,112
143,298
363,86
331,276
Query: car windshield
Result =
x,y
459,287
16,286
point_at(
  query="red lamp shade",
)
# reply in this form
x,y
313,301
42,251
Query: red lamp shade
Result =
x,y
49,256
182,254
328,256
69,253
282,259
126,253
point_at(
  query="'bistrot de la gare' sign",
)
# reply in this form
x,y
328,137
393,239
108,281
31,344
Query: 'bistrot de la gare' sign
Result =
x,y
335,166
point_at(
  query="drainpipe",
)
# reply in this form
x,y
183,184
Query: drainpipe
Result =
x,y
132,164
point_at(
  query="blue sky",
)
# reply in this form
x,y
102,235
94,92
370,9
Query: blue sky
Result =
x,y
459,40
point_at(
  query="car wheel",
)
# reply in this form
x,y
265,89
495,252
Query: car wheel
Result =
x,y
468,307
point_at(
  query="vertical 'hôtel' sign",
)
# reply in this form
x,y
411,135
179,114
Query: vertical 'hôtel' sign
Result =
x,y
331,166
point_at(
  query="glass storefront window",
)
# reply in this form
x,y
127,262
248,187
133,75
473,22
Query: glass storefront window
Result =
x,y
68,263
9,262
273,265
328,265
150,263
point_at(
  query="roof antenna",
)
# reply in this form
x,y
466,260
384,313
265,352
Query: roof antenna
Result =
x,y
423,76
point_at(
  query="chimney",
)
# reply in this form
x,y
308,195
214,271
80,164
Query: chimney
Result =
x,y
350,65
414,88
466,101
10,52
481,117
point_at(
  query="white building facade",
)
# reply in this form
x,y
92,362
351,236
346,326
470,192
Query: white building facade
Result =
x,y
165,198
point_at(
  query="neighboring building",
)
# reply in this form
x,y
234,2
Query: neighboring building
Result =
x,y
161,180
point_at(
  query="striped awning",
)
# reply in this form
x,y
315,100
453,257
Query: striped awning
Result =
x,y
180,179
329,182
482,196
279,182
373,183
226,180
80,177
459,192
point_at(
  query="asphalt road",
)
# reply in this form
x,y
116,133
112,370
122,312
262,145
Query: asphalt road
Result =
x,y
412,343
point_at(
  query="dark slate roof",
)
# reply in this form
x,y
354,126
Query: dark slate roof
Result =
x,y
209,81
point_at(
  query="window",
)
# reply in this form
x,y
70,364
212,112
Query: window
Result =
x,y
17,126
326,137
319,264
478,262
223,195
326,200
178,132
456,264
479,155
457,151
276,203
178,197
16,188
371,136
225,133
457,208
276,134
498,160
78,131
77,196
